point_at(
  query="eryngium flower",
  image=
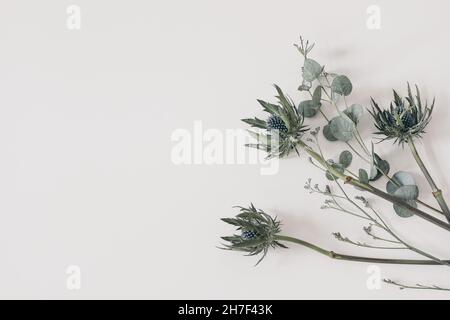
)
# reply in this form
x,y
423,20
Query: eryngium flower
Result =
x,y
406,118
256,232
282,129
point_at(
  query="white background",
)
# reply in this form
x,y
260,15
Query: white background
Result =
x,y
86,176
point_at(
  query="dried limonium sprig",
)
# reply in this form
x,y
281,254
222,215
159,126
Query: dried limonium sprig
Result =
x,y
416,286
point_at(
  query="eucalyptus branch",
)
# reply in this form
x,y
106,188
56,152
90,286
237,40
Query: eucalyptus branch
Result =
x,y
371,189
358,139
379,221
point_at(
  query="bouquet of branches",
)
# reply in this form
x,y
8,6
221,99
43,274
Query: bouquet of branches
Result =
x,y
282,131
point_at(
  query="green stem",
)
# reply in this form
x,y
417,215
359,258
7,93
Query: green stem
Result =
x,y
363,146
371,189
338,256
437,193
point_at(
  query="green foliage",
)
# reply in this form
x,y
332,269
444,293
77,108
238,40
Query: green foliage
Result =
x,y
354,112
345,158
363,176
342,128
307,108
328,134
378,168
317,96
403,186
311,70
404,212
336,166
341,85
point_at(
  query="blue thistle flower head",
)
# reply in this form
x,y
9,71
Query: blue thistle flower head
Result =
x,y
404,119
276,123
256,232
282,130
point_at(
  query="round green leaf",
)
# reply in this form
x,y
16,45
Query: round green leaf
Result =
x,y
407,192
354,112
342,128
403,212
341,85
327,133
311,70
307,108
399,179
345,158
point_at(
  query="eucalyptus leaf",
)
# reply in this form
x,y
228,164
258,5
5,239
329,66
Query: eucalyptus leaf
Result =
x,y
345,158
317,96
335,97
311,70
305,86
378,168
403,212
399,179
342,128
341,85
327,133
354,112
307,108
408,192
363,176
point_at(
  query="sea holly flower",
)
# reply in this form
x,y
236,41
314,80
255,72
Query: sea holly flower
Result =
x,y
256,232
404,119
282,130
276,123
